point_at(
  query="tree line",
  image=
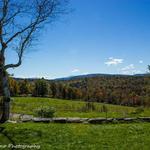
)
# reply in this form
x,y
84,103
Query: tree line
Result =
x,y
120,90
43,88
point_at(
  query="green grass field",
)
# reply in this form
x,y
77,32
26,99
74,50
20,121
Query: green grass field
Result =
x,y
54,136
135,136
68,108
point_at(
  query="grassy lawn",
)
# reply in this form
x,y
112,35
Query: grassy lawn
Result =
x,y
51,136
68,108
134,136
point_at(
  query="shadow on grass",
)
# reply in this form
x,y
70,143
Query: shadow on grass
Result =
x,y
6,135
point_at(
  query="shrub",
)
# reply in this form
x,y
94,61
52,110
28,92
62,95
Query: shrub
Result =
x,y
45,112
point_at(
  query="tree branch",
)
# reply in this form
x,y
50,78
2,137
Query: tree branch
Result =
x,y
5,10
4,14
20,32
21,49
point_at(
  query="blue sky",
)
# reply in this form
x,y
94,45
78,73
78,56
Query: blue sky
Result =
x,y
99,36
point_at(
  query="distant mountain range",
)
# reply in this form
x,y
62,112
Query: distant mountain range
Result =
x,y
86,76
100,75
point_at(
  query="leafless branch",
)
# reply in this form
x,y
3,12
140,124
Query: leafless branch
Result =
x,y
21,20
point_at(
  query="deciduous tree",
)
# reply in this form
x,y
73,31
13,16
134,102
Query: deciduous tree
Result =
x,y
20,21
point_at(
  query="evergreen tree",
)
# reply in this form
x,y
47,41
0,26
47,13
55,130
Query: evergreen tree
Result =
x,y
41,88
24,87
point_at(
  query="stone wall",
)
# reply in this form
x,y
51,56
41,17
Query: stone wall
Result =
x,y
30,118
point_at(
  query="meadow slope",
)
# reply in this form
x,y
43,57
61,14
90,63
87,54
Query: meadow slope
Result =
x,y
68,108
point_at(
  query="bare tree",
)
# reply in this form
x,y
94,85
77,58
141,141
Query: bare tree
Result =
x,y
20,21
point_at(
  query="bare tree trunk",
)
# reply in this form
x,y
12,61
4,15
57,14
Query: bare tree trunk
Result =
x,y
5,108
6,100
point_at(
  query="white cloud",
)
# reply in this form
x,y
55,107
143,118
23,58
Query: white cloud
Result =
x,y
113,61
141,61
130,69
137,71
75,70
85,73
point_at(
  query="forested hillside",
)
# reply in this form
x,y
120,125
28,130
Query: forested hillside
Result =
x,y
120,90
